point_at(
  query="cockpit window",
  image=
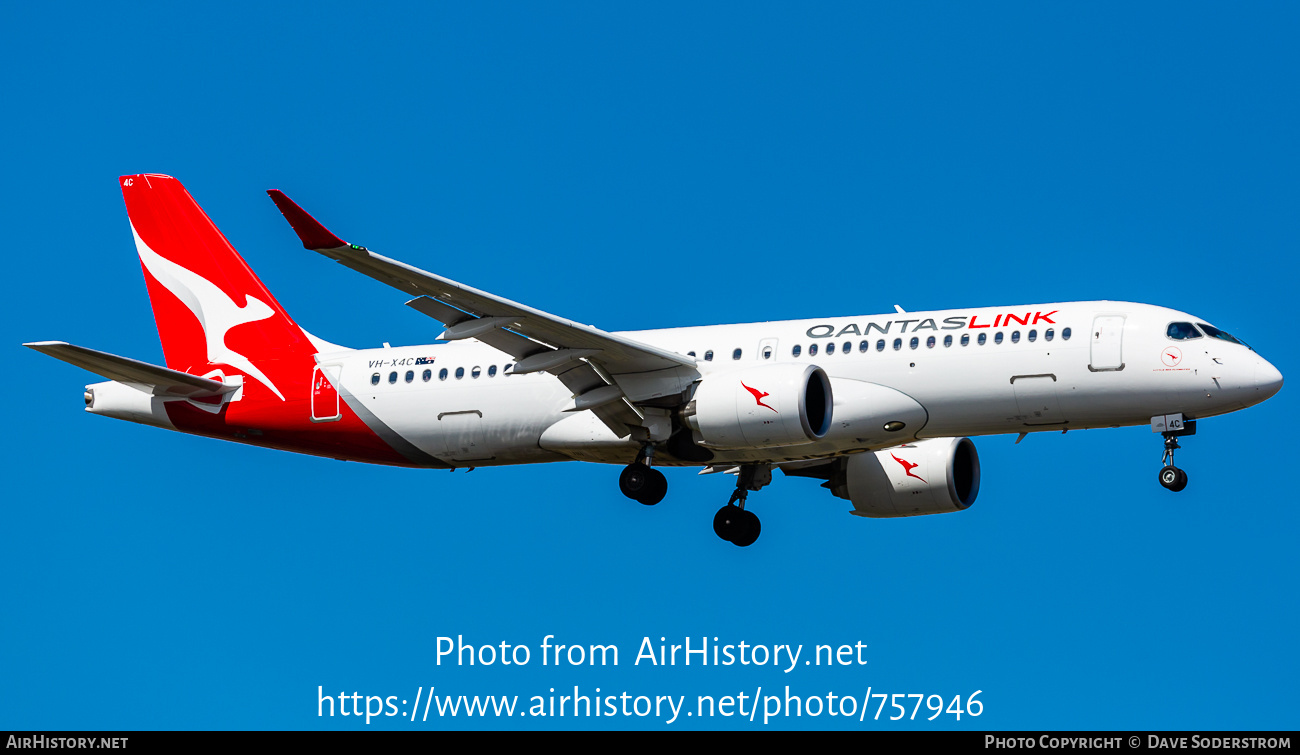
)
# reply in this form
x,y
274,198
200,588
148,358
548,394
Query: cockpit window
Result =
x,y
1182,331
1214,332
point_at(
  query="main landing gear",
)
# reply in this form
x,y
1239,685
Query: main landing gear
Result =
x,y
1171,477
642,482
733,522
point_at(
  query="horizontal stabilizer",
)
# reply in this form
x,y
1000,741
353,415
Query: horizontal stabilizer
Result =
x,y
160,380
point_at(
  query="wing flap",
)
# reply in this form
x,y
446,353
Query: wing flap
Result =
x,y
160,380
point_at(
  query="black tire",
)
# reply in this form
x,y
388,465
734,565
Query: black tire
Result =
x,y
634,481
750,528
656,488
1173,478
726,522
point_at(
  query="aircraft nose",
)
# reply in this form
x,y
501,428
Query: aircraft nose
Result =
x,y
1267,379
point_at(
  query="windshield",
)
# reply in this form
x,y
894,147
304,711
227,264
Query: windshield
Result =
x,y
1214,332
1180,331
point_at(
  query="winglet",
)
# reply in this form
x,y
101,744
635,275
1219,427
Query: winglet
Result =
x,y
314,235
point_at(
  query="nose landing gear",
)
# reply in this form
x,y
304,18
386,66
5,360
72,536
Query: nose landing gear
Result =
x,y
1171,477
733,522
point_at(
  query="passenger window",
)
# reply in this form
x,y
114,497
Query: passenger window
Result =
x,y
492,371
898,344
374,379
767,352
947,341
796,351
846,347
997,337
427,376
735,354
708,356
410,376
442,374
1015,336
690,354
506,370
915,342
1049,334
1033,336
830,348
983,339
864,347
880,345
812,350
474,373
929,342
965,339
392,378
460,372
1065,334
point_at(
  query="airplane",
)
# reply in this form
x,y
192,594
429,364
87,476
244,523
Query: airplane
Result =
x,y
880,408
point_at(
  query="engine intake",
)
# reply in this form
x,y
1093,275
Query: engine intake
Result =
x,y
761,407
933,476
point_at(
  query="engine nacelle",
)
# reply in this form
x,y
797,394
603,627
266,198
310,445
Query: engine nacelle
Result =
x,y
932,476
761,407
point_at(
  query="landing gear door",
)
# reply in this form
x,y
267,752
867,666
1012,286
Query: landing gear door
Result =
x,y
325,393
1107,343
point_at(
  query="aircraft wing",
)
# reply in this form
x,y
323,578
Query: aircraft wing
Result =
x,y
585,358
159,381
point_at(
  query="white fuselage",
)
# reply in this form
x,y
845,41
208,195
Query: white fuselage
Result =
x,y
1047,367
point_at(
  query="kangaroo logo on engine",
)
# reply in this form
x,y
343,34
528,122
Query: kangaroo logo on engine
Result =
x,y
908,467
758,396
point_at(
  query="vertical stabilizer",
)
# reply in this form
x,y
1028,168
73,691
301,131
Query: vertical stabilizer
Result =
x,y
214,316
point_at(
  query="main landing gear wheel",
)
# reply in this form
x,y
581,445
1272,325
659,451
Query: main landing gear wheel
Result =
x,y
1173,478
737,525
733,522
643,484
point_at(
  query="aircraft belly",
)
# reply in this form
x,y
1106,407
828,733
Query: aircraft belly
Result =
x,y
472,425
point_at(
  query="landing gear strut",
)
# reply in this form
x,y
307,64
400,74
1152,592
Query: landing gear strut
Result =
x,y
733,522
1175,427
641,482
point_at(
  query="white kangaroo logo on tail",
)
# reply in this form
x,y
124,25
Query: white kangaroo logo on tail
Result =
x,y
217,313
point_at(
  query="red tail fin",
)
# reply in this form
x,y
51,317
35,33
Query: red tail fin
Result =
x,y
213,314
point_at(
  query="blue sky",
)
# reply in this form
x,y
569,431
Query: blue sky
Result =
x,y
635,168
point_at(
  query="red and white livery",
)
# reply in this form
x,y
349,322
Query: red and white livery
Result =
x,y
880,407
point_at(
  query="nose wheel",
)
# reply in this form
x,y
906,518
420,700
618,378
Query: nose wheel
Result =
x,y
1173,478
